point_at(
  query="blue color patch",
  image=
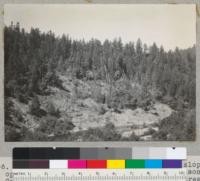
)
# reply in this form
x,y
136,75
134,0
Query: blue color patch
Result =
x,y
153,163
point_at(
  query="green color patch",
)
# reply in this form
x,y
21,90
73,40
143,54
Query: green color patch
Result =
x,y
135,163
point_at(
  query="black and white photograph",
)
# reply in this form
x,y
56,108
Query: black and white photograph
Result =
x,y
99,72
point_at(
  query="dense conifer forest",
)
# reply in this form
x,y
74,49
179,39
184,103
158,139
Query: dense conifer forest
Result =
x,y
63,89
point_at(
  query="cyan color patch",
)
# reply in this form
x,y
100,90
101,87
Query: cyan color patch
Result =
x,y
153,163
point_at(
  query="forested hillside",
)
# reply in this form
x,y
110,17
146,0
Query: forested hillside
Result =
x,y
113,77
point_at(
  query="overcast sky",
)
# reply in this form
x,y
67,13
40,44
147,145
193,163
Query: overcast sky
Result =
x,y
167,25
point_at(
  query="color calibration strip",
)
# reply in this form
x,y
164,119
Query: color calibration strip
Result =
x,y
96,164
40,153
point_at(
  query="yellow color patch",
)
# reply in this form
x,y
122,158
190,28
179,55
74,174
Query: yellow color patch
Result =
x,y
116,164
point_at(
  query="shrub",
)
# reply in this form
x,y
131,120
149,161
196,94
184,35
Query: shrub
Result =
x,y
146,104
81,90
171,101
37,135
14,122
179,126
52,110
98,95
121,99
34,107
51,79
58,83
92,134
47,125
102,110
79,74
50,125
134,137
22,98
10,88
107,133
8,110
63,127
89,75
11,134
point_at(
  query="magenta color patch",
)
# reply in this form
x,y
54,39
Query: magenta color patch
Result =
x,y
77,164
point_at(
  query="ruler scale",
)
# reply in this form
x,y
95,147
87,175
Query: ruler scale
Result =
x,y
99,175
